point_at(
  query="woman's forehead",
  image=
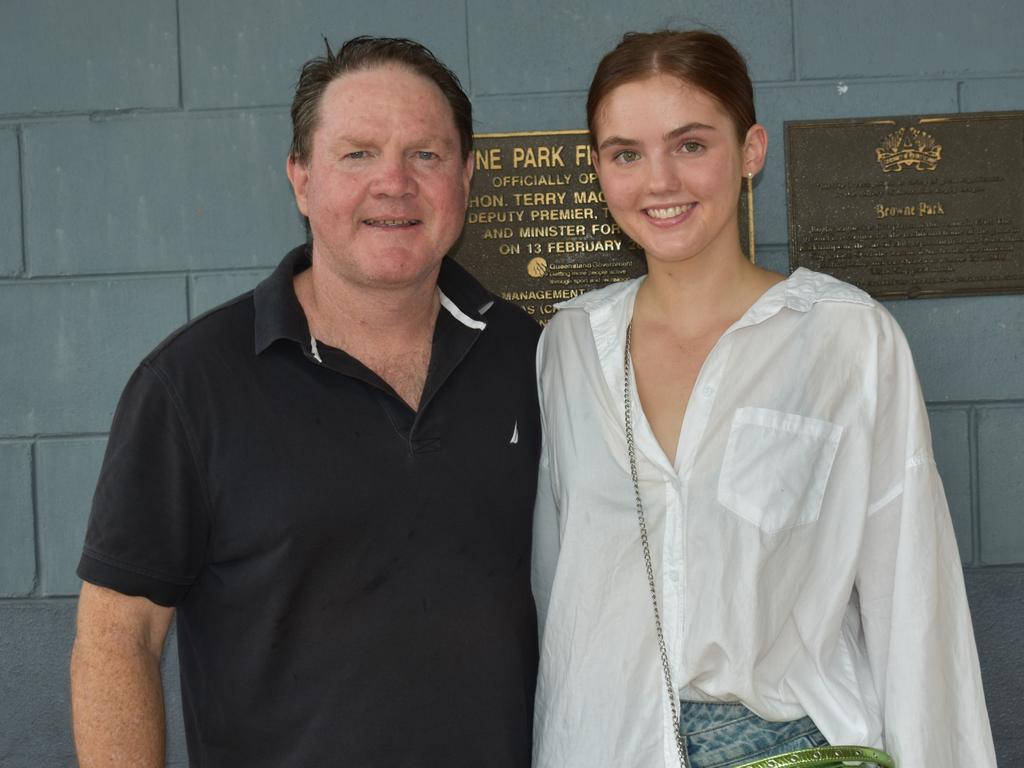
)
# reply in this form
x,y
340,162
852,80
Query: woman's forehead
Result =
x,y
660,97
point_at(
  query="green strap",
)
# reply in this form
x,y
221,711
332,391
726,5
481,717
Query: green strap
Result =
x,y
824,757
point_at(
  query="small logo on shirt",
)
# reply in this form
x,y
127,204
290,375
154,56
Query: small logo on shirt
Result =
x,y
515,434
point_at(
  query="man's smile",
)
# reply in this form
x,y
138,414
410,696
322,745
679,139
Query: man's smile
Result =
x,y
391,223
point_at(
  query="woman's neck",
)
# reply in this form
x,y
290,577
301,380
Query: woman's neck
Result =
x,y
696,296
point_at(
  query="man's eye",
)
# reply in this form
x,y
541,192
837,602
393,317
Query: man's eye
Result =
x,y
692,146
627,156
359,154
424,154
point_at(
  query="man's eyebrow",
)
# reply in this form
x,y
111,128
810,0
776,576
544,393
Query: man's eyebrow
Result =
x,y
350,140
444,141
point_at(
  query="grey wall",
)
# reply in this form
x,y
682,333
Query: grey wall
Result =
x,y
142,147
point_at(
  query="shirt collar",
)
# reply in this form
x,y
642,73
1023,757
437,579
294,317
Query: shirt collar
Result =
x,y
279,314
610,310
799,292
464,298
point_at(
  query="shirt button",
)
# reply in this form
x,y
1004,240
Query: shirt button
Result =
x,y
708,390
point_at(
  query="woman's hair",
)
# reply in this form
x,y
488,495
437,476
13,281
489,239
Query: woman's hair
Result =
x,y
702,59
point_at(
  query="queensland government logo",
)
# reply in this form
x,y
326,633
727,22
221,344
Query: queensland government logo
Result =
x,y
909,148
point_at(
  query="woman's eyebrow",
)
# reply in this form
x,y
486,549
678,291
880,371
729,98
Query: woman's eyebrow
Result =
x,y
677,132
617,140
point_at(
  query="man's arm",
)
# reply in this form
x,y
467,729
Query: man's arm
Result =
x,y
116,696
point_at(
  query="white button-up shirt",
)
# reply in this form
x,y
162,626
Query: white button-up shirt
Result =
x,y
803,550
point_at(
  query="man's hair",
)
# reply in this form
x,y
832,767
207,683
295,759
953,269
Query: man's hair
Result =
x,y
362,53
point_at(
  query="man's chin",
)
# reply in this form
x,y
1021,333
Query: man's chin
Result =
x,y
401,271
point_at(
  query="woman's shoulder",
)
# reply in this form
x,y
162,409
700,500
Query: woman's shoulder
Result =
x,y
605,296
821,295
590,312
589,328
807,287
843,315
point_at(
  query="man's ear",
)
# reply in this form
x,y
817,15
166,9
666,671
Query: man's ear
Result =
x,y
467,173
298,175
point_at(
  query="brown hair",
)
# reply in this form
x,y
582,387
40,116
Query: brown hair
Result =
x,y
703,59
362,53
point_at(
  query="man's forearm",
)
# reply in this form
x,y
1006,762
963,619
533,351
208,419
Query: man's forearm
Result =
x,y
117,707
117,701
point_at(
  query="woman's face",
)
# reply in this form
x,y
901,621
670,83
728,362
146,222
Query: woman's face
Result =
x,y
670,166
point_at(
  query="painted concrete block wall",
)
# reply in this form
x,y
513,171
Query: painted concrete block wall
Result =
x,y
142,147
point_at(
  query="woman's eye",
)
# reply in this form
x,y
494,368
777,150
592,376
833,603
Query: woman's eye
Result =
x,y
690,147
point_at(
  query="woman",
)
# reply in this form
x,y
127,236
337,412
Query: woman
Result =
x,y
802,566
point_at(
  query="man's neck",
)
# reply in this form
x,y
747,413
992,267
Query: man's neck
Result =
x,y
338,310
389,330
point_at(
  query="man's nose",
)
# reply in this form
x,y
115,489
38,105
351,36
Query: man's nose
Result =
x,y
394,177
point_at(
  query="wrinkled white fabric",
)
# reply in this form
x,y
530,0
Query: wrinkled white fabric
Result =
x,y
803,549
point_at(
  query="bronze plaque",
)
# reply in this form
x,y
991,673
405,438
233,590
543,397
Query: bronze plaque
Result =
x,y
537,230
910,206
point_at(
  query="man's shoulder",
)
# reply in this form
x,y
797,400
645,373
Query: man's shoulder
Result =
x,y
512,319
226,329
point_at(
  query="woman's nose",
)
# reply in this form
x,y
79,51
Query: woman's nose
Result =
x,y
661,175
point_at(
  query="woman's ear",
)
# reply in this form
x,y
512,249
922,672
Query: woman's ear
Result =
x,y
755,149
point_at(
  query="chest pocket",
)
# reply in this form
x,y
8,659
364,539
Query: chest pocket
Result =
x,y
776,467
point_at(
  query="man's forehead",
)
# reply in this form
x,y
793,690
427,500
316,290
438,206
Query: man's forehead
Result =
x,y
366,101
365,85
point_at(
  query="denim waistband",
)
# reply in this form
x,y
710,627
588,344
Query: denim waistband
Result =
x,y
723,734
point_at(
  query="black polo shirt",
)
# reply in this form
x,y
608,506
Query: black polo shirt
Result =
x,y
351,577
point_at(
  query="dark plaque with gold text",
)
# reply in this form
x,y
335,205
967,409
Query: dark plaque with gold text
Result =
x,y
910,206
537,230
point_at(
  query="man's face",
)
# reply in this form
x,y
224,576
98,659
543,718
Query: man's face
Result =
x,y
385,186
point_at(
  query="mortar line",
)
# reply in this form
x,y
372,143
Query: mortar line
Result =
x,y
953,405
20,146
49,437
793,45
973,417
36,598
181,79
147,275
37,545
469,64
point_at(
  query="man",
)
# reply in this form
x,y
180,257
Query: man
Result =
x,y
339,513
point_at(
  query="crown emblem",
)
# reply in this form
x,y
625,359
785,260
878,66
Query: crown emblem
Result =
x,y
909,148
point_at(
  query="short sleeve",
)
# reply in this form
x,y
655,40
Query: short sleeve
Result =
x,y
149,525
